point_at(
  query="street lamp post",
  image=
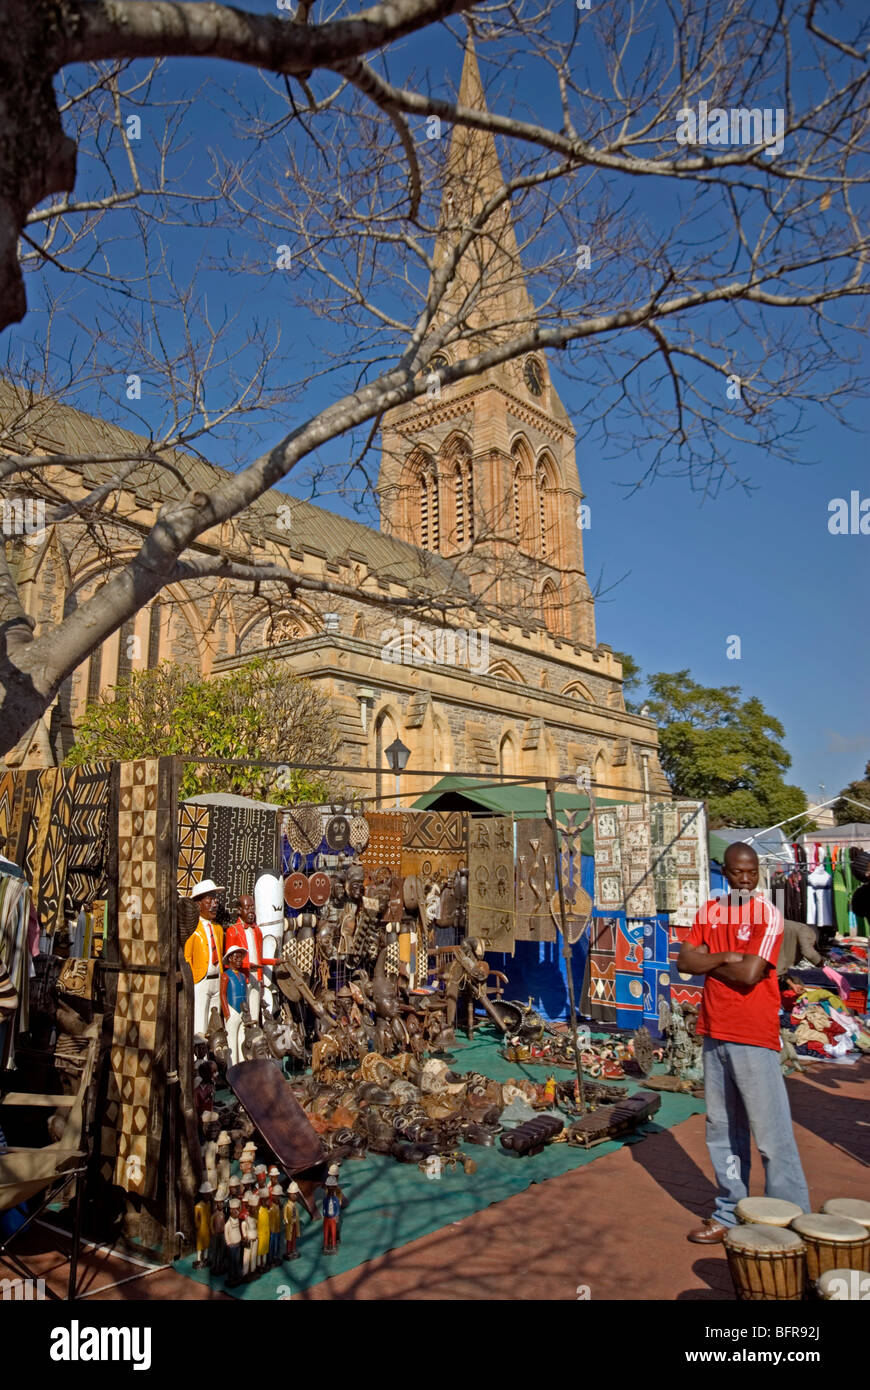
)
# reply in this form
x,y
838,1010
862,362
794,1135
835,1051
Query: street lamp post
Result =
x,y
397,756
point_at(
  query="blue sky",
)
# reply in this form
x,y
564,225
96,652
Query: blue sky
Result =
x,y
762,567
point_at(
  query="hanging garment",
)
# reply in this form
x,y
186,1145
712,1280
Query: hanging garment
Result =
x,y
800,855
849,879
14,954
841,898
820,907
860,865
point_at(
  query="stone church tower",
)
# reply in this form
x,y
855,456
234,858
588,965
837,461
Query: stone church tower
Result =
x,y
479,508
484,470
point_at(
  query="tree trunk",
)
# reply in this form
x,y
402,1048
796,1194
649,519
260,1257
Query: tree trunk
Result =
x,y
36,158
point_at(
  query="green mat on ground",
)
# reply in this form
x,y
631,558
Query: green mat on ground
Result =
x,y
391,1204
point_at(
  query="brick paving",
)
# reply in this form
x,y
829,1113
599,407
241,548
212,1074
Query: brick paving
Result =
x,y
616,1226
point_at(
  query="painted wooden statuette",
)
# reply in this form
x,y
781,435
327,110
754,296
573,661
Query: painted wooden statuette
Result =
x,y
291,1222
331,1214
247,936
233,1236
274,1203
202,1214
234,996
269,902
217,1253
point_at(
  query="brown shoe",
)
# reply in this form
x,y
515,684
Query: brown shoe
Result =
x,y
710,1232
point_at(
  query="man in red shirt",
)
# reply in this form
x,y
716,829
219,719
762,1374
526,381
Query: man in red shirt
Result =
x,y
735,942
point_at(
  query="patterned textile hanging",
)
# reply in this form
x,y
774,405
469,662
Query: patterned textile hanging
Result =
x,y
635,847
14,958
608,860
535,880
193,824
599,983
88,837
242,843
132,1118
681,867
491,906
384,849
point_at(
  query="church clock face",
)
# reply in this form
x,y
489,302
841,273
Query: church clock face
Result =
x,y
533,375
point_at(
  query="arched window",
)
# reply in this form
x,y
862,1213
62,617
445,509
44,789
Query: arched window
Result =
x,y
507,756
521,492
579,691
469,500
541,488
550,605
429,511
154,622
126,647
456,464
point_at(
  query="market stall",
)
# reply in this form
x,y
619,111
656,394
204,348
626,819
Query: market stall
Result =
x,y
234,1013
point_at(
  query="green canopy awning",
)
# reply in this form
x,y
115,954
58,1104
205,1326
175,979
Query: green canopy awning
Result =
x,y
458,793
717,846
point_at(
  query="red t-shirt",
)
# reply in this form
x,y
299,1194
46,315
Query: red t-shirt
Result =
x,y
740,1013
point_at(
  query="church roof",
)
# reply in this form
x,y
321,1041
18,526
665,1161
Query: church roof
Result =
x,y
55,428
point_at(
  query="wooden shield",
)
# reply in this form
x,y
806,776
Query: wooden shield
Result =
x,y
296,890
319,888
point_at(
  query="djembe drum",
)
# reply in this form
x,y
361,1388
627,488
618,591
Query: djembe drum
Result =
x,y
851,1207
843,1285
767,1211
833,1242
766,1263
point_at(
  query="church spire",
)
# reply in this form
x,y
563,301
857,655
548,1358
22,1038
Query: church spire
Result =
x,y
489,286
483,468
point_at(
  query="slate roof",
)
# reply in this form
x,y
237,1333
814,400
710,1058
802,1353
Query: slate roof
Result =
x,y
52,427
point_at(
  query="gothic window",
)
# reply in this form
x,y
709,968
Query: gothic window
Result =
x,y
541,480
579,691
94,675
282,627
521,493
507,756
459,488
426,486
550,605
469,500
154,634
126,645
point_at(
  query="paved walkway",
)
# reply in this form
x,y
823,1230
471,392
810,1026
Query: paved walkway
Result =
x,y
615,1227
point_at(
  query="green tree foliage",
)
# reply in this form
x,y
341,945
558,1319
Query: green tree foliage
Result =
x,y
261,710
844,812
717,747
631,680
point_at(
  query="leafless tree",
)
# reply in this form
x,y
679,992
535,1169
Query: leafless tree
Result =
x,y
704,293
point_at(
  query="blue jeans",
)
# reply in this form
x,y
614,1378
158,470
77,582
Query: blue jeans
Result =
x,y
745,1092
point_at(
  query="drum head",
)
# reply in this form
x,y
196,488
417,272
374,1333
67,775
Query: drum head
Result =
x,y
759,1239
296,890
851,1207
844,1285
767,1211
319,888
819,1226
